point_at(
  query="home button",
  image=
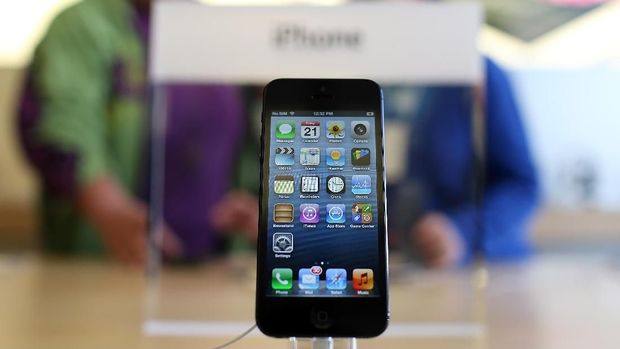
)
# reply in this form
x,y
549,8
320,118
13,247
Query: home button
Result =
x,y
320,318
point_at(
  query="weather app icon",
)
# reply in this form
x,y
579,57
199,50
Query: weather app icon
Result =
x,y
335,156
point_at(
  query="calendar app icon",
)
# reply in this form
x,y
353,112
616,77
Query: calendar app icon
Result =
x,y
310,129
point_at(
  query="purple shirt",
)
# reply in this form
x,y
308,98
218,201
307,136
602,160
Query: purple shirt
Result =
x,y
204,129
205,126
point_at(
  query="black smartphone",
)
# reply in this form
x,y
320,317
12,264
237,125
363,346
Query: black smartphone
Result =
x,y
322,246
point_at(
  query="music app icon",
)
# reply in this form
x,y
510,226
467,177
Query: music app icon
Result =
x,y
363,279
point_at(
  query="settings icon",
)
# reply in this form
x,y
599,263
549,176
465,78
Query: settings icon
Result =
x,y
282,242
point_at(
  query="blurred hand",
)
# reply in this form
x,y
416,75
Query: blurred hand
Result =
x,y
121,222
437,240
237,211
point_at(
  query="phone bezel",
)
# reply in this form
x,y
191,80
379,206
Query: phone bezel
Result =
x,y
300,316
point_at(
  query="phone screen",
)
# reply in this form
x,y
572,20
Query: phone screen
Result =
x,y
323,205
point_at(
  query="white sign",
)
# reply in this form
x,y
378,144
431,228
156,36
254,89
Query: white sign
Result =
x,y
426,43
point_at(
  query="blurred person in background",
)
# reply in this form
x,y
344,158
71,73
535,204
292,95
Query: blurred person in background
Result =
x,y
84,126
452,206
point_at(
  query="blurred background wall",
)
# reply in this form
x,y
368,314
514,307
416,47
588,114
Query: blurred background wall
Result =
x,y
564,60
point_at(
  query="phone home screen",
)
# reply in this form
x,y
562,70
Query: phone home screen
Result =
x,y
322,224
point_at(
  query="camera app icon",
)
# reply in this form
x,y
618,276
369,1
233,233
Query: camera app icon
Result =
x,y
360,129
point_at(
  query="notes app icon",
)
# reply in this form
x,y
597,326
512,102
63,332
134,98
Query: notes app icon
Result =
x,y
363,279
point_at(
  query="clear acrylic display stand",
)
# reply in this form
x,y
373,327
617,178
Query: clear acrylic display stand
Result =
x,y
183,300
323,343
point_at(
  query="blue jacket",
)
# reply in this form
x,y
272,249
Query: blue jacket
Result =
x,y
441,159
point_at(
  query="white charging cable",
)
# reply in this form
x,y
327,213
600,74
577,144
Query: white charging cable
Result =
x,y
236,339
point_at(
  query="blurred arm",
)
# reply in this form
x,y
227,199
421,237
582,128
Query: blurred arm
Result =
x,y
62,119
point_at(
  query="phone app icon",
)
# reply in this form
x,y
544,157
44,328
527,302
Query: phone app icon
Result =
x,y
284,184
309,184
310,156
360,129
335,184
310,129
335,129
282,242
308,280
336,279
285,156
360,184
361,213
285,130
335,156
360,157
282,279
309,213
335,213
363,279
283,213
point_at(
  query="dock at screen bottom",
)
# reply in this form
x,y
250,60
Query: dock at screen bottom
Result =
x,y
316,281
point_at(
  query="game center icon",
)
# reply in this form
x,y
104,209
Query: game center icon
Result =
x,y
361,213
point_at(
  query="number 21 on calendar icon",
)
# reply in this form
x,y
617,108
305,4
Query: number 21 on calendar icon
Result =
x,y
310,129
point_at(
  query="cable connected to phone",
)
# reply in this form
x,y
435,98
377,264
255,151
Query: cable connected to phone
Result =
x,y
236,339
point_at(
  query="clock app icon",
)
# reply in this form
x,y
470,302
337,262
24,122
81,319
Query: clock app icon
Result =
x,y
335,184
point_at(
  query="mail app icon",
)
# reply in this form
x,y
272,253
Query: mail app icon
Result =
x,y
308,280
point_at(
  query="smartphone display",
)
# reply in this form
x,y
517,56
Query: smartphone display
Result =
x,y
322,234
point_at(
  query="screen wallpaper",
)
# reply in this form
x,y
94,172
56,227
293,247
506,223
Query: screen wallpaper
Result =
x,y
322,204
